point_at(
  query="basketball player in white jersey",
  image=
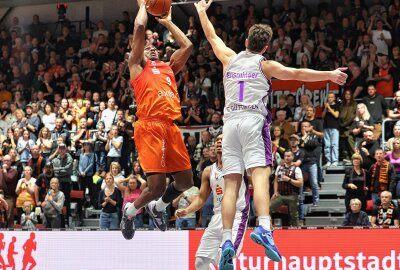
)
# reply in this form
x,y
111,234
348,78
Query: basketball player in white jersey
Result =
x,y
212,181
247,143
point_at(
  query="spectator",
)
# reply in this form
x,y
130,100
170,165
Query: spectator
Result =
x,y
386,214
59,131
110,200
282,106
36,162
216,125
53,205
66,114
382,177
380,37
362,123
99,140
85,169
24,147
182,202
205,142
44,142
113,146
396,135
279,143
62,165
131,192
3,211
8,183
357,83
196,114
356,216
286,126
125,130
347,109
394,158
25,189
331,130
49,117
28,217
288,180
42,184
300,111
109,115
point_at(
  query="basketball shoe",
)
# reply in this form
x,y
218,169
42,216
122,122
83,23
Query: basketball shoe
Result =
x,y
227,253
263,237
127,224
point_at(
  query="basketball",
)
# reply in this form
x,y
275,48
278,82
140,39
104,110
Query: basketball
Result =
x,y
158,8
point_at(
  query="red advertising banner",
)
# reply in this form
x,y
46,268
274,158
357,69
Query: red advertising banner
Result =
x,y
322,249
317,91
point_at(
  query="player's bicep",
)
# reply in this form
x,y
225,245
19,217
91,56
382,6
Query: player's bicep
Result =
x,y
273,69
138,42
222,52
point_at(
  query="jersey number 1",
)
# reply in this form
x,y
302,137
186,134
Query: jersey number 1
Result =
x,y
241,91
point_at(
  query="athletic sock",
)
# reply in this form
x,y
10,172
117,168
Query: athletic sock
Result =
x,y
161,205
226,235
265,222
132,210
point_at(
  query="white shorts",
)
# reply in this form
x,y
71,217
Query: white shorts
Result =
x,y
211,241
246,143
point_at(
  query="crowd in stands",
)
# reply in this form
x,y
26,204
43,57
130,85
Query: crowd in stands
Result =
x,y
67,110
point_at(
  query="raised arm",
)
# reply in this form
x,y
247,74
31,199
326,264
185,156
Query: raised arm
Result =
x,y
274,69
180,56
222,52
138,41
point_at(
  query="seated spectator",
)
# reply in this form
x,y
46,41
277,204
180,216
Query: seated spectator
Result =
x,y
394,158
25,189
386,214
362,123
196,114
282,106
216,125
204,158
183,201
287,128
355,183
355,217
53,205
396,135
28,217
131,192
110,200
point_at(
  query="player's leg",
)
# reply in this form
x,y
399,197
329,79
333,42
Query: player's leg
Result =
x,y
257,152
207,253
175,158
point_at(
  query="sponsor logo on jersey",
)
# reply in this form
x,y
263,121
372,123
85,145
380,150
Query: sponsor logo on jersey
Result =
x,y
238,107
155,71
241,75
167,93
219,190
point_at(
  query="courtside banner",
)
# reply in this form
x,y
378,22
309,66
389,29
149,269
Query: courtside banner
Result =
x,y
319,249
317,91
94,250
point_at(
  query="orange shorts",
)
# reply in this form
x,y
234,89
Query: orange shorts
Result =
x,y
160,146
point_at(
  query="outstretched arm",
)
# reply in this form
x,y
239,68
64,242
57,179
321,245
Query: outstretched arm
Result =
x,y
180,56
274,69
199,201
138,41
222,52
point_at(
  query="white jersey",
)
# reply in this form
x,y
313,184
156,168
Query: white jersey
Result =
x,y
247,89
217,187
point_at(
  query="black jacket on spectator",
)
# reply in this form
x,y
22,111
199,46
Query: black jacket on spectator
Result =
x,y
310,155
377,106
370,159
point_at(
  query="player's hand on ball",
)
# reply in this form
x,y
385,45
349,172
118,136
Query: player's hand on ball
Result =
x,y
202,5
167,18
180,213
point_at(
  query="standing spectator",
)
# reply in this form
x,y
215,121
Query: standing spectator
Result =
x,y
282,106
25,189
59,131
44,142
8,183
309,143
279,143
377,107
382,177
355,183
131,192
113,146
380,37
357,83
15,162
85,168
356,216
99,140
347,114
205,142
43,183
32,121
288,180
386,214
125,129
49,117
53,205
182,202
62,165
216,125
110,200
196,114
384,77
37,161
331,130
109,115
24,147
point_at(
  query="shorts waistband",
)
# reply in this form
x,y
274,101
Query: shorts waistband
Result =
x,y
156,119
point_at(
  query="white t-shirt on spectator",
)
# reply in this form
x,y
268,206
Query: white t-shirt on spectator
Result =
x,y
381,46
114,152
183,203
108,116
49,121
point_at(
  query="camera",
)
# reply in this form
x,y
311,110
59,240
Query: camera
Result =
x,y
132,109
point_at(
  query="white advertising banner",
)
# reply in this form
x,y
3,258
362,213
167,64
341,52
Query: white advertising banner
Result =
x,y
97,250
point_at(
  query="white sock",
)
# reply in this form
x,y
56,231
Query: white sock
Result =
x,y
265,222
132,210
160,205
226,235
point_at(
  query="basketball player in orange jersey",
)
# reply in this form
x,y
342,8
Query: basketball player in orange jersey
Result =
x,y
158,140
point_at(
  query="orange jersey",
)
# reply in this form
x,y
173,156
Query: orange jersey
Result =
x,y
156,92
